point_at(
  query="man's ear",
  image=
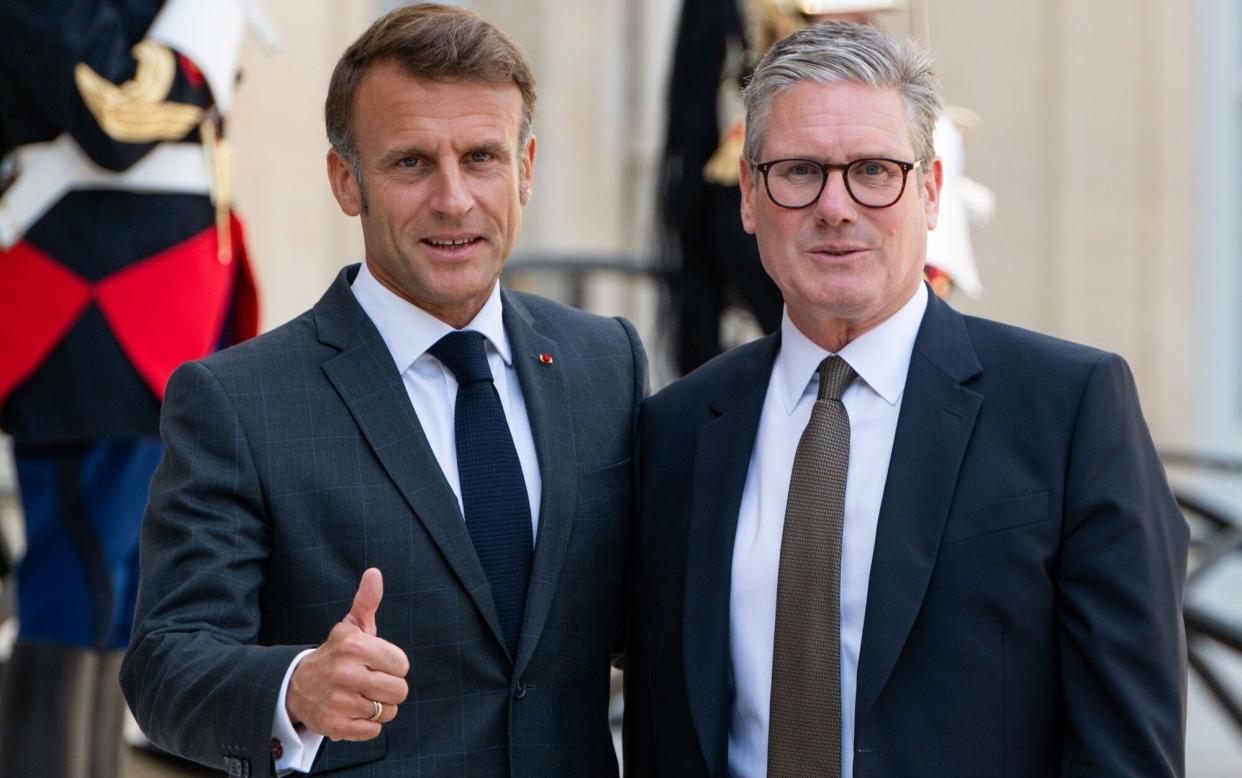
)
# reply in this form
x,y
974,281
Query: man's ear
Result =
x,y
526,171
933,179
746,181
345,186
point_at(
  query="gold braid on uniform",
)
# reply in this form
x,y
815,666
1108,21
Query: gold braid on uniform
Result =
x,y
817,7
220,156
136,111
767,22
722,167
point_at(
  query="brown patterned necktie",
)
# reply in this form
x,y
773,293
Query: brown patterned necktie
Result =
x,y
804,722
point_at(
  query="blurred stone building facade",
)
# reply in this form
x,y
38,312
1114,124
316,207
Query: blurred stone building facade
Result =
x,y
1111,135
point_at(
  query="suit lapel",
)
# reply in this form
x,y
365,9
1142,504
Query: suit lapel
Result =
x,y
368,383
548,409
722,457
933,430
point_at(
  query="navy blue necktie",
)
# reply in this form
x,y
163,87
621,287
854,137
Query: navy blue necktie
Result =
x,y
493,491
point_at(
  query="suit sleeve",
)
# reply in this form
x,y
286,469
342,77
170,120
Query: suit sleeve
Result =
x,y
638,745
640,390
76,62
638,354
195,676
1120,577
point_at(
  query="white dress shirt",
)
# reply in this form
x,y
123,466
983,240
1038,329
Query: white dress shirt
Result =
x,y
408,331
881,358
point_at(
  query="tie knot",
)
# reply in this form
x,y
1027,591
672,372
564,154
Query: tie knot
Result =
x,y
835,374
462,353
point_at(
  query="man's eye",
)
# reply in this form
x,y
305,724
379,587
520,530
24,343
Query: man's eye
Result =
x,y
410,162
874,169
480,157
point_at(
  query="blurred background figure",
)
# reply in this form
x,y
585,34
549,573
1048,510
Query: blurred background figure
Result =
x,y
120,259
713,264
964,203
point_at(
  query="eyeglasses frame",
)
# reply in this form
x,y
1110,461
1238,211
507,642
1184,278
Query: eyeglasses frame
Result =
x,y
826,168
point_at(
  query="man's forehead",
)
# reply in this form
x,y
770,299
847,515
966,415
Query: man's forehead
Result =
x,y
843,96
393,100
838,113
388,74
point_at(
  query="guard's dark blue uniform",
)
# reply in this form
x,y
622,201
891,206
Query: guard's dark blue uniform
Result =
x,y
712,263
115,267
99,299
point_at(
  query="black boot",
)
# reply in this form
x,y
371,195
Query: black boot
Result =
x,y
45,711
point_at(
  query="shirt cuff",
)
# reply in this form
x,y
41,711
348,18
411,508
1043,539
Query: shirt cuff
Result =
x,y
297,749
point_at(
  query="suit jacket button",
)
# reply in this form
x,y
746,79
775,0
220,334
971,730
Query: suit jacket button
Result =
x,y
519,691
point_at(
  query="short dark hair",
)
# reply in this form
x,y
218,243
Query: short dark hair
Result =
x,y
431,41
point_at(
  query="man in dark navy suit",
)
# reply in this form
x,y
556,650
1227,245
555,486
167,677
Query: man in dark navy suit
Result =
x,y
892,540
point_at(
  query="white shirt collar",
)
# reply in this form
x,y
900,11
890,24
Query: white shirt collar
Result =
x,y
880,356
408,331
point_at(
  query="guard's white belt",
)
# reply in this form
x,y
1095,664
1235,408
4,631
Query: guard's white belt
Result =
x,y
48,171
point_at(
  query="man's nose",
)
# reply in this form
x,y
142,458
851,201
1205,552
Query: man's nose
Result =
x,y
835,204
451,194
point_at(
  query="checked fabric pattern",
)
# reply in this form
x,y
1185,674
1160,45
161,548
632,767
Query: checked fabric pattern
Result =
x,y
804,732
493,492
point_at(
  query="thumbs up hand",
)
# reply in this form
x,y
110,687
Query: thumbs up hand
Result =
x,y
334,689
366,601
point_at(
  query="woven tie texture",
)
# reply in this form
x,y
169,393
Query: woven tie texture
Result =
x,y
804,729
493,491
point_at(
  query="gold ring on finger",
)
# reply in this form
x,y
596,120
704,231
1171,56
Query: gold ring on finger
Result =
x,y
379,711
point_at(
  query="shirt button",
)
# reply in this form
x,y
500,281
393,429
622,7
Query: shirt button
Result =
x,y
278,749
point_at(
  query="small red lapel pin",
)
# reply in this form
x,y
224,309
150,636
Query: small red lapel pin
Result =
x,y
545,359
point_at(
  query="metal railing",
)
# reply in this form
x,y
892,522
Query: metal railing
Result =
x,y
1216,542
575,270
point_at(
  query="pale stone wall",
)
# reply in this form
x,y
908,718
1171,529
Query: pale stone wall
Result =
x,y
298,237
1088,140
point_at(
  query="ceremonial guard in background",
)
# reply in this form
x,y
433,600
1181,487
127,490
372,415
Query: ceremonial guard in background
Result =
x,y
712,263
119,260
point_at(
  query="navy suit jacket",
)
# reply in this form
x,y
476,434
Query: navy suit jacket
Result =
x,y
1024,610
295,461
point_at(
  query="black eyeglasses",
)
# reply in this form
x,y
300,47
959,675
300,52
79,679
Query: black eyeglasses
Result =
x,y
872,183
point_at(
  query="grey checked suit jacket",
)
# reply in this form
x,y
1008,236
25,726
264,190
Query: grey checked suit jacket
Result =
x,y
295,461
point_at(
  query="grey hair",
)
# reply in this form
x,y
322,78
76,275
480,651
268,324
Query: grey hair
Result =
x,y
841,52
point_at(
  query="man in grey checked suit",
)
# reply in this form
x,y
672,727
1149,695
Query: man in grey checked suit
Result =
x,y
319,592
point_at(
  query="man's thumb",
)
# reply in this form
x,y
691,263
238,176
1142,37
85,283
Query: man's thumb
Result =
x,y
367,600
